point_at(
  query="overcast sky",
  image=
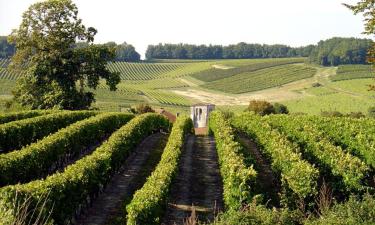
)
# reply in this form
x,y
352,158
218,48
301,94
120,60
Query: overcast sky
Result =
x,y
143,22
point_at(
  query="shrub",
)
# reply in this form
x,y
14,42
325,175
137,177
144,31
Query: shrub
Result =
x,y
237,177
254,214
371,112
261,107
142,108
8,117
227,114
70,190
356,115
148,202
352,212
316,84
331,114
15,134
36,160
280,108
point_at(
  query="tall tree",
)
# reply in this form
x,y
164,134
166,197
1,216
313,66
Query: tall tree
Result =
x,y
58,73
6,49
367,8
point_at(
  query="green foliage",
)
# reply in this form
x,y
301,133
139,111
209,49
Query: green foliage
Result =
x,y
239,51
261,107
38,159
356,115
261,79
318,147
14,135
148,202
371,112
254,214
331,114
353,135
354,211
68,191
125,52
213,74
143,71
349,72
280,108
6,49
13,116
143,108
300,176
45,41
237,177
167,98
337,51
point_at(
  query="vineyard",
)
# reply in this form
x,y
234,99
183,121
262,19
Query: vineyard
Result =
x,y
176,84
90,167
349,72
261,79
235,67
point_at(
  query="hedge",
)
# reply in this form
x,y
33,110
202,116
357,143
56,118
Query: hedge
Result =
x,y
149,202
67,192
38,159
237,177
12,116
16,134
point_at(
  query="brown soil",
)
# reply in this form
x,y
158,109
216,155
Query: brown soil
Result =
x,y
198,183
109,204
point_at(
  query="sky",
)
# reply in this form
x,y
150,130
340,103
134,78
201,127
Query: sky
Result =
x,y
144,22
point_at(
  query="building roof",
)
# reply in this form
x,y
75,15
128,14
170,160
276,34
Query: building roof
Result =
x,y
203,104
171,117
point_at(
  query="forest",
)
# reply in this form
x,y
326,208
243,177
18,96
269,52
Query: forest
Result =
x,y
337,51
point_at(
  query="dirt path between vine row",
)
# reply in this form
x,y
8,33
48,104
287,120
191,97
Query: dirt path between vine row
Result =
x,y
109,204
267,182
198,183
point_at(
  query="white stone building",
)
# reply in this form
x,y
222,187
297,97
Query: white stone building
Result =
x,y
200,113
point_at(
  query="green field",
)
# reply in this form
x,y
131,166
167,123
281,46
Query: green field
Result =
x,y
349,72
261,79
160,82
231,68
146,166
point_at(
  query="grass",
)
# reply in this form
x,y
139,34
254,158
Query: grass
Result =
x,y
335,102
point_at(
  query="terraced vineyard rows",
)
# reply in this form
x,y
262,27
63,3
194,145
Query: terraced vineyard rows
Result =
x,y
95,170
261,79
241,67
349,72
167,98
142,71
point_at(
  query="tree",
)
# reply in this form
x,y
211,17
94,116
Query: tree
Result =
x,y
367,7
280,108
261,107
336,51
126,52
6,49
58,72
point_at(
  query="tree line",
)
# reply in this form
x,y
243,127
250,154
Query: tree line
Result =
x,y
331,52
236,51
123,52
337,51
6,49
